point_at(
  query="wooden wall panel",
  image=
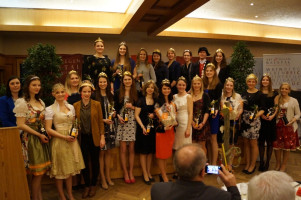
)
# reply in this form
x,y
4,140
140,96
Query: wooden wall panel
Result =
x,y
13,182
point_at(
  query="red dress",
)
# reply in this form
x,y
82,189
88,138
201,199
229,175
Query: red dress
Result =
x,y
286,137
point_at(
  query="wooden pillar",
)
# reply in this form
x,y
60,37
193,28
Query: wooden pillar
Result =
x,y
13,182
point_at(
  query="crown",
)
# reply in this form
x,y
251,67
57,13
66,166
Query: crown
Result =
x,y
165,81
210,65
266,74
34,77
127,73
122,43
87,83
150,81
197,77
230,79
102,74
219,51
156,51
171,49
182,78
72,72
98,40
252,76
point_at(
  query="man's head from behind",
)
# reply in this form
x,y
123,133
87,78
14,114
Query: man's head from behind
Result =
x,y
189,161
271,185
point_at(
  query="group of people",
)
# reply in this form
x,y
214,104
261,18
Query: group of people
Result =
x,y
151,109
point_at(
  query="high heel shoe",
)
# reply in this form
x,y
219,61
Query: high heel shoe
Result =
x,y
161,178
152,179
133,180
147,182
127,181
251,172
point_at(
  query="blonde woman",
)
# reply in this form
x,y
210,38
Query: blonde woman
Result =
x,y
286,127
72,84
174,68
200,123
66,156
253,109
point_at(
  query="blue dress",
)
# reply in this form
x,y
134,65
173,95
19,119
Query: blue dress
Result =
x,y
7,116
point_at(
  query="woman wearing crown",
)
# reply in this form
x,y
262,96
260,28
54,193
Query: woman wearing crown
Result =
x,y
184,105
253,109
94,64
213,88
125,99
91,136
166,112
104,96
121,64
220,62
72,84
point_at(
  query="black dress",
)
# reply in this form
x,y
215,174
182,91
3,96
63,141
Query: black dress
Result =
x,y
93,66
74,97
174,74
162,73
268,128
145,144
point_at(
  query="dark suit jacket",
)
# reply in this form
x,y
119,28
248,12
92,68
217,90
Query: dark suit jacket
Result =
x,y
97,125
224,74
7,116
196,68
191,190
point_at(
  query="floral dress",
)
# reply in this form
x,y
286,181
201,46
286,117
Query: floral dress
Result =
x,y
35,153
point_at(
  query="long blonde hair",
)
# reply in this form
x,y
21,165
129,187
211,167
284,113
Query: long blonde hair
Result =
x,y
229,79
197,78
280,98
67,81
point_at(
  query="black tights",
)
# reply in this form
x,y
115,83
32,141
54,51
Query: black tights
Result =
x,y
268,153
90,154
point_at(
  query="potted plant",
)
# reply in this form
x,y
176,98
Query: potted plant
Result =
x,y
43,62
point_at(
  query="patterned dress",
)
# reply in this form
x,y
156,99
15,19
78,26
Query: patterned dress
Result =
x,y
200,108
35,153
66,157
127,131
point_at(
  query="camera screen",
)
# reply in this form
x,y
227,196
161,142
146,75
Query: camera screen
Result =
x,y
212,169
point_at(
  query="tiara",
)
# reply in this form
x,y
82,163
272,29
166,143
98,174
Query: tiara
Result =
x,y
197,77
102,74
252,76
156,51
35,77
127,73
182,78
210,65
266,74
72,72
165,81
230,79
171,49
87,83
122,43
219,51
150,81
98,40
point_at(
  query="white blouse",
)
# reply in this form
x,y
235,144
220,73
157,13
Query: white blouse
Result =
x,y
49,110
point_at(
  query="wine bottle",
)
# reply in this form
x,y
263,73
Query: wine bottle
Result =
x,y
74,128
126,115
43,131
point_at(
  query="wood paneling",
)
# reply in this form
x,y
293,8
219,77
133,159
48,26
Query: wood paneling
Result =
x,y
13,182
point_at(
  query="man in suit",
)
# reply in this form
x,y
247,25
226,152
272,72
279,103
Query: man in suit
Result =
x,y
200,67
189,163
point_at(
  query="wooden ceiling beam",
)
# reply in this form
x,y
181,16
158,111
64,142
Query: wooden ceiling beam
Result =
x,y
132,24
179,11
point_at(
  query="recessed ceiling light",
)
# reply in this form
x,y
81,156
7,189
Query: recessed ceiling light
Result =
x,y
256,16
251,4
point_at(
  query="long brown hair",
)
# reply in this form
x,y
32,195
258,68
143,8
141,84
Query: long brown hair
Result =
x,y
215,79
133,92
108,88
139,61
223,62
270,89
27,82
127,64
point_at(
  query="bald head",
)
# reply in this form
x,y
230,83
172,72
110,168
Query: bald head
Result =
x,y
189,160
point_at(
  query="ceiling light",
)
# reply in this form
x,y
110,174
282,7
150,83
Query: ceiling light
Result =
x,y
256,16
251,4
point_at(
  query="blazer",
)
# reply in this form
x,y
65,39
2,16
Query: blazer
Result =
x,y
97,124
191,190
7,116
196,68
